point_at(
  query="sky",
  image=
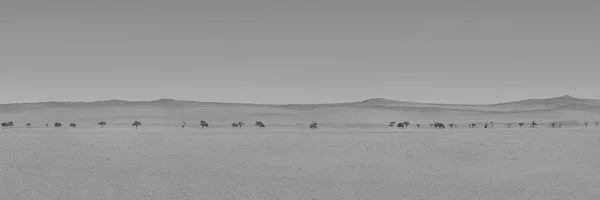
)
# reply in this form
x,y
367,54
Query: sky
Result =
x,y
299,51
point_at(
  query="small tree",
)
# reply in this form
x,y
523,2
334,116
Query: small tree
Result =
x,y
73,125
586,124
136,124
597,123
102,124
406,124
28,124
203,124
314,125
521,124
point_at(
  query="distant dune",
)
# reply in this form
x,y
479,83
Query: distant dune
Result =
x,y
371,112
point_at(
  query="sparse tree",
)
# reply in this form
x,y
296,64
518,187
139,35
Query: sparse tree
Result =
x,y
203,124
102,124
400,125
136,124
46,125
472,125
406,124
28,124
234,125
183,124
418,125
391,124
586,124
73,125
597,123
241,124
314,125
521,124
259,124
533,124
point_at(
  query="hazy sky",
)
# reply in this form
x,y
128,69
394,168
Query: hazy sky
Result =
x,y
299,51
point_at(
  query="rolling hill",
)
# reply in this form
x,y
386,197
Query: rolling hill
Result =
x,y
371,112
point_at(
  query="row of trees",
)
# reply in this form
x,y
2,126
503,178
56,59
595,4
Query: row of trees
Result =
x,y
438,125
203,124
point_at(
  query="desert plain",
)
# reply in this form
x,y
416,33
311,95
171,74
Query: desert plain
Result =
x,y
353,155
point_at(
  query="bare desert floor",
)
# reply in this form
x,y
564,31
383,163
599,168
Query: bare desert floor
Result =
x,y
298,163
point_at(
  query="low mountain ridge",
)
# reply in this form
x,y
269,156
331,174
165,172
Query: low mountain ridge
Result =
x,y
169,112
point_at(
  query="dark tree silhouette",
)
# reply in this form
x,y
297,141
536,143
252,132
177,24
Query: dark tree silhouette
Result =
x,y
418,125
183,124
46,125
259,124
400,125
234,125
438,125
597,123
406,124
314,125
203,124
28,124
472,125
57,124
73,125
102,124
391,124
586,124
136,124
533,124
521,124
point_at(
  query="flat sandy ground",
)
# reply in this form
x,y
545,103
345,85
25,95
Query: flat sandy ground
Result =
x,y
297,163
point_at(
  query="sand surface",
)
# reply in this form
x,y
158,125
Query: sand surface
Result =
x,y
298,163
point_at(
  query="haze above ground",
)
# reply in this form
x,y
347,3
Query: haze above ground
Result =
x,y
327,51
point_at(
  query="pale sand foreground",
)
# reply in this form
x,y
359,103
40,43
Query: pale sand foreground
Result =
x,y
289,163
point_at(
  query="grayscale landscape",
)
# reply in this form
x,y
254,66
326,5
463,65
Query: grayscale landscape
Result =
x,y
299,100
352,155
